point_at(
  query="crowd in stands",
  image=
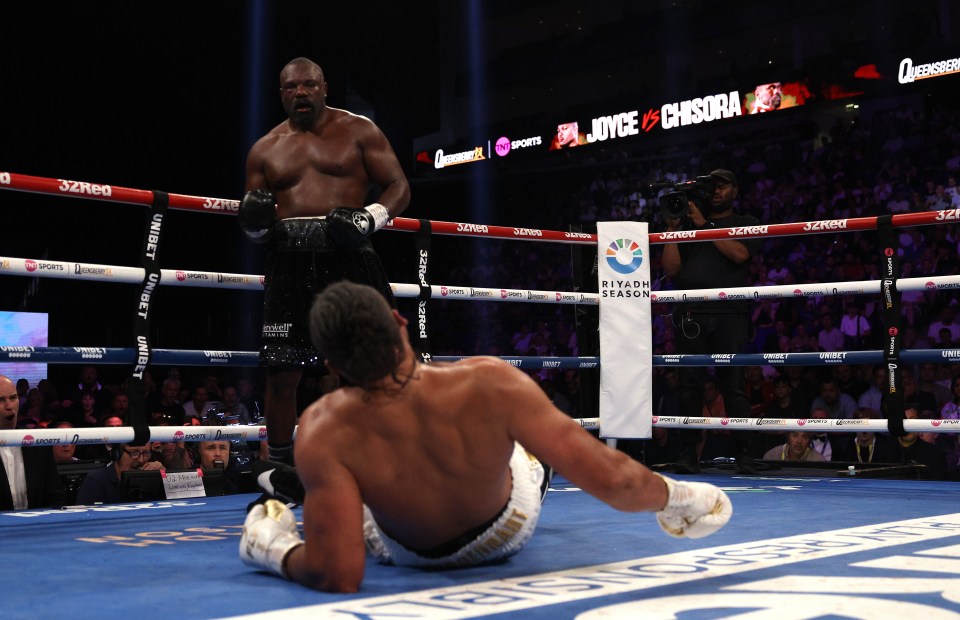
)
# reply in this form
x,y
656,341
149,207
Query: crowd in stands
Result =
x,y
902,159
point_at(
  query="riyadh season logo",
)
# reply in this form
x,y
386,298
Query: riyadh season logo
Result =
x,y
624,256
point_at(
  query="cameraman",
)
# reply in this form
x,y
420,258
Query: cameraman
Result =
x,y
712,327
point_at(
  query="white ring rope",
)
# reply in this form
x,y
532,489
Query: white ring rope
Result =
x,y
189,434
38,268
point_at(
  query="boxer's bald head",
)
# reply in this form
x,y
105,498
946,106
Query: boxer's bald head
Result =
x,y
9,403
358,334
303,62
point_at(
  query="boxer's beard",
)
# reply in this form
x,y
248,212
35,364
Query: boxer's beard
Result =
x,y
303,113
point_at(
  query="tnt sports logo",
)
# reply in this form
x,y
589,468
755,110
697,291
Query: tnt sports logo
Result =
x,y
888,252
801,421
27,440
443,291
263,432
656,419
935,423
503,146
624,256
30,265
178,436
653,297
724,421
181,276
797,292
893,331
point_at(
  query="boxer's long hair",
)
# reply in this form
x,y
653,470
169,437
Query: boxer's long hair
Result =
x,y
352,327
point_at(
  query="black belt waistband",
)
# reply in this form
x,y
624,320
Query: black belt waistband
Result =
x,y
307,233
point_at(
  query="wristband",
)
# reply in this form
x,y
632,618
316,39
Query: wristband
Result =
x,y
380,215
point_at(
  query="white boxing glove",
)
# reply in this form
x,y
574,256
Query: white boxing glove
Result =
x,y
694,509
269,534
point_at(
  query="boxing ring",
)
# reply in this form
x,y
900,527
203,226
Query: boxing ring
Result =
x,y
797,546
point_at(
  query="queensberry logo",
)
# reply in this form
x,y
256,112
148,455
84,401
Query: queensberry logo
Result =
x,y
624,256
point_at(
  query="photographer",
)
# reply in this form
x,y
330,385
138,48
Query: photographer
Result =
x,y
711,327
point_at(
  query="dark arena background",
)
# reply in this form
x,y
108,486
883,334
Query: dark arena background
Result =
x,y
473,96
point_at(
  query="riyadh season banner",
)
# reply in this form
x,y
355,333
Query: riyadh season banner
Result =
x,y
626,343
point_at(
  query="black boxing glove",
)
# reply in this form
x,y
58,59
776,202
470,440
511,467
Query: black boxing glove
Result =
x,y
348,227
257,214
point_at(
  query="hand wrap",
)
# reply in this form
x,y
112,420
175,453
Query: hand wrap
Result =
x,y
349,227
694,509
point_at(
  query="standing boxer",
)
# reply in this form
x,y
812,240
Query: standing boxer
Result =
x,y
307,182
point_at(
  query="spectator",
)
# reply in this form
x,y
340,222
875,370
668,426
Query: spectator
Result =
x,y
848,382
825,444
199,404
64,452
103,485
830,338
871,397
946,322
234,410
928,385
867,446
911,393
28,476
89,383
100,452
778,273
758,389
23,388
797,448
945,340
938,200
251,400
171,454
855,328
559,400
803,386
33,413
951,409
837,404
119,408
87,416
213,387
931,458
166,404
216,455
783,405
802,342
662,448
